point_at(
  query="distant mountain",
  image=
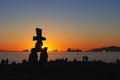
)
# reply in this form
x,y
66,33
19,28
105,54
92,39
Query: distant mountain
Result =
x,y
106,49
1,50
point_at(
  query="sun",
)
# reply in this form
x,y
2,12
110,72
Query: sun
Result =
x,y
50,48
45,44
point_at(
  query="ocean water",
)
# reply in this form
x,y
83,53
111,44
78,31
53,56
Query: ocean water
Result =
x,y
104,56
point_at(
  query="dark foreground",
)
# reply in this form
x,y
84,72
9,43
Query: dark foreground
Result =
x,y
60,71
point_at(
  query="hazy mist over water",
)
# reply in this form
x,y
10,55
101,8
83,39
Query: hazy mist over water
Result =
x,y
104,56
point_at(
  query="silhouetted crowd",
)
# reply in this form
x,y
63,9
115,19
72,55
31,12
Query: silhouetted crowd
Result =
x,y
43,59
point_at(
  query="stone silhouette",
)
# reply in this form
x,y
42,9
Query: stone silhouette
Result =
x,y
39,39
44,55
33,57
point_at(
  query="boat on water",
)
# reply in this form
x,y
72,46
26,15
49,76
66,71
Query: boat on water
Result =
x,y
26,50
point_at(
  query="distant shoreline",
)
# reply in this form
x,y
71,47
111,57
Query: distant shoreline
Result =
x,y
14,51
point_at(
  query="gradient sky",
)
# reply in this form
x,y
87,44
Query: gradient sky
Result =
x,y
82,24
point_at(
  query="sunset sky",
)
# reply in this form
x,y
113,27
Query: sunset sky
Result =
x,y
82,24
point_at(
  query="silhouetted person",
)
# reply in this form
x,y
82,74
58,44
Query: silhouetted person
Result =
x,y
33,57
3,61
24,62
74,60
13,63
44,55
83,58
117,61
86,59
66,60
6,61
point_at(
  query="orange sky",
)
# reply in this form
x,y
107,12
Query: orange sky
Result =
x,y
66,24
60,42
18,38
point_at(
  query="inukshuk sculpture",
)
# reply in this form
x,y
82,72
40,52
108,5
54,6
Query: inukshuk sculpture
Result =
x,y
33,57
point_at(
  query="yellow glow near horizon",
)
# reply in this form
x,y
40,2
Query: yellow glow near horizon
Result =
x,y
50,48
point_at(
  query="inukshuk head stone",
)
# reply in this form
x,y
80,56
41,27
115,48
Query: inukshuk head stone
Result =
x,y
38,38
